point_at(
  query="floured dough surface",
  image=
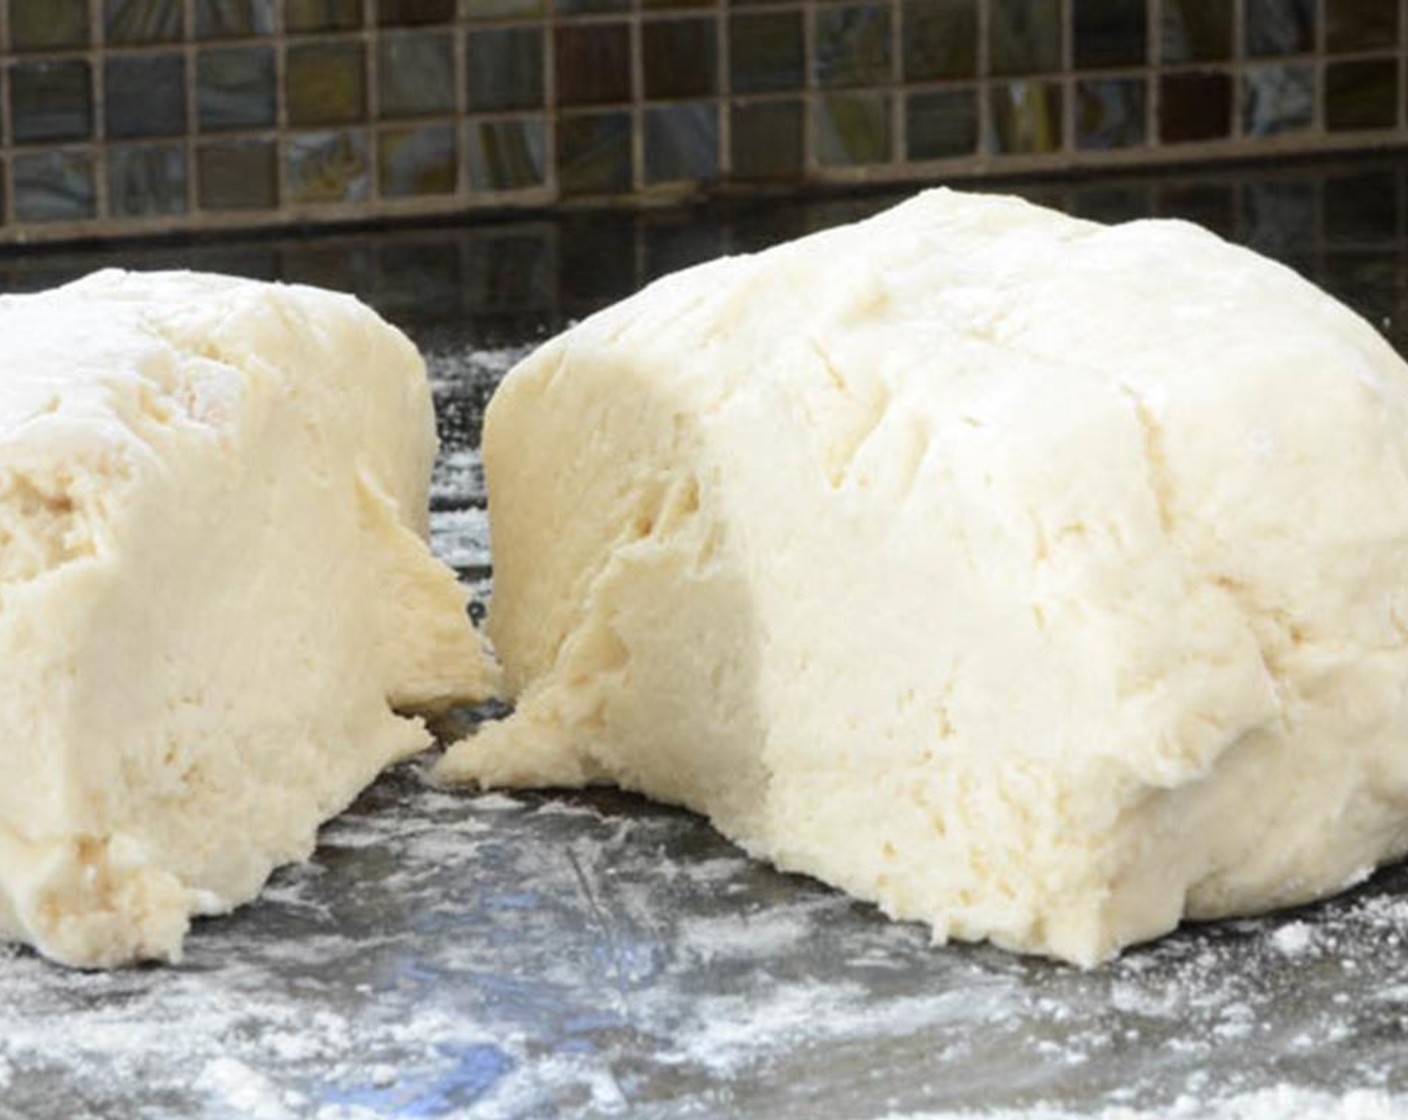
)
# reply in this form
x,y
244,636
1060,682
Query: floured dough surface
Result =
x,y
215,594
1042,581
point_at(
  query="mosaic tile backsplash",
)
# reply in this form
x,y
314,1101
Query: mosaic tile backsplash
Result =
x,y
135,116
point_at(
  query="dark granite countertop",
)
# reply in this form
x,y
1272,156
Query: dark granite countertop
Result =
x,y
594,955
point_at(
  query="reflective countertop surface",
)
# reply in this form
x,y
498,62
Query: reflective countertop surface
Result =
x,y
590,954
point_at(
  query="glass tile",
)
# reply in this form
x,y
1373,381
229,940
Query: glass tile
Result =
x,y
1359,208
146,181
593,63
506,155
51,101
48,25
54,187
1361,25
682,142
504,68
1024,36
1195,106
1280,26
666,5
589,7
941,124
1209,205
767,140
413,13
144,95
324,167
233,19
766,52
679,58
235,88
1277,97
325,83
416,74
1361,94
322,15
1197,30
1112,205
1026,118
143,21
1110,113
594,154
853,129
940,39
852,46
237,175
417,161
1110,33
503,9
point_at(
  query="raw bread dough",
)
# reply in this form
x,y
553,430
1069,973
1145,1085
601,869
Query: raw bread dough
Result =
x,y
1042,581
214,589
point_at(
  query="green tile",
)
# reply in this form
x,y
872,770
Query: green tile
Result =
x,y
322,15
1195,106
1024,36
54,187
593,63
1277,97
852,46
1280,26
418,161
48,25
1360,25
413,13
504,68
682,142
143,21
144,95
767,140
1197,30
940,39
1110,113
506,155
679,58
146,181
1361,95
51,101
766,52
941,124
235,88
594,153
853,129
237,175
325,83
1026,117
1110,33
233,19
416,74
326,167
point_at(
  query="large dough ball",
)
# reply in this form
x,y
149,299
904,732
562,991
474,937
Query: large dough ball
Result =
x,y
214,589
1043,581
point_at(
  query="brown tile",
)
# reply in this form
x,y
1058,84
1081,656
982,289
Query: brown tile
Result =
x,y
1195,106
237,175
1360,25
322,15
326,167
1361,94
48,25
325,83
1026,117
1197,30
593,63
679,58
420,161
413,13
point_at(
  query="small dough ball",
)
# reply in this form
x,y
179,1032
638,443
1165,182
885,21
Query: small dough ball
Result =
x,y
215,587
1042,581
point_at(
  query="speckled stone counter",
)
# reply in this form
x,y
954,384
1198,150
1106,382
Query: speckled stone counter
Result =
x,y
594,955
